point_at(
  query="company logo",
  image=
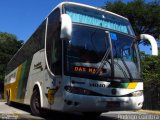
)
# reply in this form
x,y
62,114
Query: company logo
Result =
x,y
38,66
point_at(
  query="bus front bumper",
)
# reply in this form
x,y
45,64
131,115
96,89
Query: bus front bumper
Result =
x,y
84,103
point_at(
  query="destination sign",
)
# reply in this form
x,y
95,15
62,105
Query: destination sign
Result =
x,y
87,69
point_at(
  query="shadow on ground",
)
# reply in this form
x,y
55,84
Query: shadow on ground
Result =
x,y
52,115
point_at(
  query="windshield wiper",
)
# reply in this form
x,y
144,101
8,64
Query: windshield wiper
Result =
x,y
109,50
103,61
130,75
120,67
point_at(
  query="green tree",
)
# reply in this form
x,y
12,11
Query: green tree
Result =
x,y
144,16
151,76
8,47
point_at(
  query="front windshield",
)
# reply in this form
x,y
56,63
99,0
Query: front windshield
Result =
x,y
88,54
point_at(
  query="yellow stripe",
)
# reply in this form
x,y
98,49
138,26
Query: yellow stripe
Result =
x,y
132,85
14,87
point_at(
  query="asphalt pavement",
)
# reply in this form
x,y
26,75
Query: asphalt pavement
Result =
x,y
22,112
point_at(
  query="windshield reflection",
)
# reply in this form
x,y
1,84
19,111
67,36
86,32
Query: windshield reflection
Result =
x,y
85,52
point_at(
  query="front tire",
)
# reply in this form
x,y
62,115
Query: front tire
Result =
x,y
35,103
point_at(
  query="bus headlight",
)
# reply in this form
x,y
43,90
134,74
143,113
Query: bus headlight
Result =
x,y
136,93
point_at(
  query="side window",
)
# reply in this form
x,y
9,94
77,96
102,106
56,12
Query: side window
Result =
x,y
34,44
39,36
53,43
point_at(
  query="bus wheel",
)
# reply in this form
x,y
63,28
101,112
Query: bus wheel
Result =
x,y
8,99
91,115
35,103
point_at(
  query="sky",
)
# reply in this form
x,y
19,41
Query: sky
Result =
x,y
22,17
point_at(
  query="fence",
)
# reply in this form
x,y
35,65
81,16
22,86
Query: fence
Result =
x,y
151,98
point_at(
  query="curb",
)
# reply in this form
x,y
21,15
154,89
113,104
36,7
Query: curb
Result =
x,y
2,100
150,111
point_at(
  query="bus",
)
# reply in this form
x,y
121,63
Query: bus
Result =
x,y
80,59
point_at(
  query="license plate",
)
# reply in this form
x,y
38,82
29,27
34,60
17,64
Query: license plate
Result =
x,y
113,104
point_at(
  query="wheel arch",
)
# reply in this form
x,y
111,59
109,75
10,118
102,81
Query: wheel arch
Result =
x,y
39,88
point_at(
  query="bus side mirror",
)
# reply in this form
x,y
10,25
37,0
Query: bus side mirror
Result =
x,y
152,41
66,27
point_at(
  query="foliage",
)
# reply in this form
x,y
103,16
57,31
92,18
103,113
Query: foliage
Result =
x,y
151,76
151,70
144,16
8,47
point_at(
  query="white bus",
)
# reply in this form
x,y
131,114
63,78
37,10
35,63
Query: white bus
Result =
x,y
81,58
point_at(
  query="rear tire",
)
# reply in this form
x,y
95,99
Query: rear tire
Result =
x,y
8,99
35,103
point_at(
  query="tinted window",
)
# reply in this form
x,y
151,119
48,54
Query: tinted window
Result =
x,y
53,43
95,17
88,54
34,44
